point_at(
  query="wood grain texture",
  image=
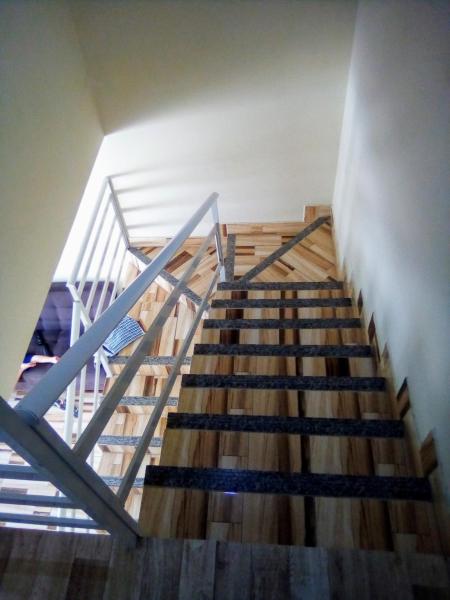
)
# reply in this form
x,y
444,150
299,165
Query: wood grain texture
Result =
x,y
326,522
68,566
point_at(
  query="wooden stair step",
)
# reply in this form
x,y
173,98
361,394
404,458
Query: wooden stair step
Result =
x,y
295,484
281,303
280,286
370,428
284,382
329,350
335,323
146,401
126,440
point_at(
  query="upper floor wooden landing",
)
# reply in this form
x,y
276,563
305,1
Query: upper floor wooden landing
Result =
x,y
67,566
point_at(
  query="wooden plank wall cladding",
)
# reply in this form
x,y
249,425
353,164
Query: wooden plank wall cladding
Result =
x,y
277,519
66,566
129,420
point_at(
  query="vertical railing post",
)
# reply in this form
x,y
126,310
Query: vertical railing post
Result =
x,y
118,213
218,238
87,235
71,393
71,390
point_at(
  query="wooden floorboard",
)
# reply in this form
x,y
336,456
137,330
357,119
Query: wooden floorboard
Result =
x,y
67,566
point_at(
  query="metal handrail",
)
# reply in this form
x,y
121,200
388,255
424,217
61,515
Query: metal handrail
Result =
x,y
30,435
46,452
34,406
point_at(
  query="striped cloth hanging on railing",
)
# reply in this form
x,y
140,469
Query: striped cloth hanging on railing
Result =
x,y
127,331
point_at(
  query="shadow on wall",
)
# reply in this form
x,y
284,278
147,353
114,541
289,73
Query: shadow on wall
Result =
x,y
391,195
151,58
242,98
265,165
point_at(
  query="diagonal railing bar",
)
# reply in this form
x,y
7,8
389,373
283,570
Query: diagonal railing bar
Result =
x,y
51,386
283,249
171,279
136,461
95,427
219,249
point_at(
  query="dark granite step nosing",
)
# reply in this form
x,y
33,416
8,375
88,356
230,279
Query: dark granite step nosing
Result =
x,y
126,440
281,323
283,382
113,481
281,286
304,350
161,361
280,303
304,484
146,401
371,428
29,474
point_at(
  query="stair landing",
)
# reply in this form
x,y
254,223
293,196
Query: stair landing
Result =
x,y
62,566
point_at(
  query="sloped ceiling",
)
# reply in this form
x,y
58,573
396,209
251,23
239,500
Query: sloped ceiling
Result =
x,y
240,97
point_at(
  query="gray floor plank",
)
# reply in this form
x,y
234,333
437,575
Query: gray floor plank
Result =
x,y
198,570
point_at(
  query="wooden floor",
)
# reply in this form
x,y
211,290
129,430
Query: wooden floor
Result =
x,y
37,565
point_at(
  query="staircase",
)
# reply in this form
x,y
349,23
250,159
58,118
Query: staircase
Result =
x,y
286,433
266,442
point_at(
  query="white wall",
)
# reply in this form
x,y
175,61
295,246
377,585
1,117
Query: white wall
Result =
x,y
50,135
391,201
242,98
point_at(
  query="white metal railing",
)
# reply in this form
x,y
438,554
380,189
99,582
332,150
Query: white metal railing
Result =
x,y
105,242
25,427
